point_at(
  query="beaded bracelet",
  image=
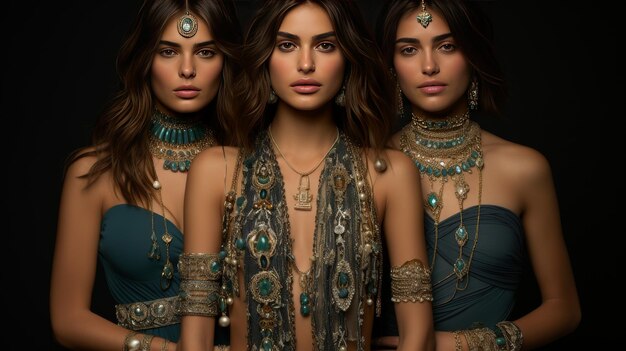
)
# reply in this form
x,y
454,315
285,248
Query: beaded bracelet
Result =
x,y
457,341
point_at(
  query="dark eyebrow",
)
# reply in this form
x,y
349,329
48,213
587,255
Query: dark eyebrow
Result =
x,y
415,41
315,37
171,43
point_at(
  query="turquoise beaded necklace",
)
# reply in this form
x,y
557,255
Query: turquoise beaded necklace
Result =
x,y
442,150
177,141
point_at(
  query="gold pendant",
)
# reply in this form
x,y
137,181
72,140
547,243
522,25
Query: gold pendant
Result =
x,y
303,197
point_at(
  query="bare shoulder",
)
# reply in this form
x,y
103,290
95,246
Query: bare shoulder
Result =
x,y
400,168
515,160
216,164
215,158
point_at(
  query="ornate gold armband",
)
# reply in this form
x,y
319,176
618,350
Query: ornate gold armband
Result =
x,y
200,282
200,266
410,282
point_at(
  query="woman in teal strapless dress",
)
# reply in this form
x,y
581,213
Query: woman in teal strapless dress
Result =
x,y
490,204
122,199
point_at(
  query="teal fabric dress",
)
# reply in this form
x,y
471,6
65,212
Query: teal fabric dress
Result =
x,y
123,252
495,272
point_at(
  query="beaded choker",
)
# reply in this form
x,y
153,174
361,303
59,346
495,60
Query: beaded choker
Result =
x,y
177,141
443,150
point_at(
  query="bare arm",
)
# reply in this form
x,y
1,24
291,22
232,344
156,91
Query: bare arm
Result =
x,y
404,232
204,201
559,312
74,325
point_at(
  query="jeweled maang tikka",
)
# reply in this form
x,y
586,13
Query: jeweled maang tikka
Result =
x,y
187,23
424,18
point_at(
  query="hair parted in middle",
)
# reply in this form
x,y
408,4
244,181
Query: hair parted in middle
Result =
x,y
367,115
471,29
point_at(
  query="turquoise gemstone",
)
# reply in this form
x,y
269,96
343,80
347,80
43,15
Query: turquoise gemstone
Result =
x,y
471,162
461,233
432,200
174,166
222,255
222,304
265,287
267,344
436,173
182,166
263,180
192,135
240,201
451,170
458,169
474,154
444,172
263,243
429,170
215,266
459,264
264,262
304,298
185,136
305,310
263,193
240,244
179,136
500,341
187,24
465,166
166,164
343,279
167,135
343,293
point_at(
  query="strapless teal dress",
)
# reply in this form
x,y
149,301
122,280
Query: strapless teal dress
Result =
x,y
495,272
123,252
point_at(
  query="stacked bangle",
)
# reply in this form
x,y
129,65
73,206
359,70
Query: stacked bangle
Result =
x,y
507,336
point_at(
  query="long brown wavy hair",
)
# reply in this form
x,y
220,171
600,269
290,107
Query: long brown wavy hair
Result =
x,y
366,117
120,135
471,29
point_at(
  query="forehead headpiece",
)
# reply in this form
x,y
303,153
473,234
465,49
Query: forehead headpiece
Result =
x,y
424,18
187,23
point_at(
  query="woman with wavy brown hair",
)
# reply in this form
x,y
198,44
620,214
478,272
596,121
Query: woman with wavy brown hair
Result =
x,y
490,204
122,200
296,264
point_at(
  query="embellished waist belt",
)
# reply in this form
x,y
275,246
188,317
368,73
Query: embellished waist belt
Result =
x,y
148,314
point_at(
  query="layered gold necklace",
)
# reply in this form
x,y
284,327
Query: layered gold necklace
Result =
x,y
445,150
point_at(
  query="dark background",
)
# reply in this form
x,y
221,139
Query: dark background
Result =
x,y
566,81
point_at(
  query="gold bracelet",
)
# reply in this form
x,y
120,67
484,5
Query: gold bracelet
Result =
x,y
457,341
145,343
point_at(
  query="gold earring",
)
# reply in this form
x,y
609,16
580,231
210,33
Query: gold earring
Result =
x,y
472,95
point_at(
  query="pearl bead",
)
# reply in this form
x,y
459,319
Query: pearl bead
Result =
x,y
343,348
224,321
156,185
380,165
133,344
229,301
369,302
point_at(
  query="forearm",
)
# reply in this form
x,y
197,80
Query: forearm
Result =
x,y
552,320
88,331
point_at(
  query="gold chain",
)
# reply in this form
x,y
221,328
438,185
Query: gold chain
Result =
x,y
303,197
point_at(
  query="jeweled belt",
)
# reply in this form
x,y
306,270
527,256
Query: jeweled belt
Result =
x,y
148,314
